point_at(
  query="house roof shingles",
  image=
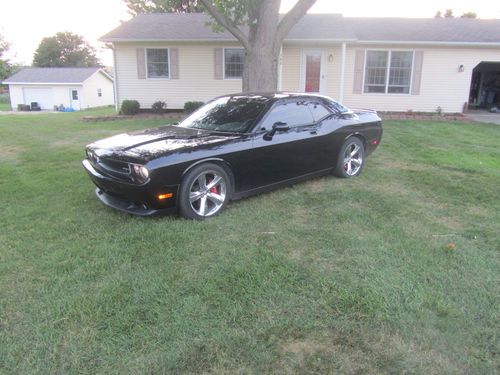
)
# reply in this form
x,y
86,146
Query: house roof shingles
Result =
x,y
328,27
454,30
52,75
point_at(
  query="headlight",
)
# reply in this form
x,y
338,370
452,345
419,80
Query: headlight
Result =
x,y
141,172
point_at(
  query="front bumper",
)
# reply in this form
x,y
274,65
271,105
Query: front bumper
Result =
x,y
126,197
124,205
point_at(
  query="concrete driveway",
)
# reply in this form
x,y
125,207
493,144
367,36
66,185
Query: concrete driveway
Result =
x,y
484,116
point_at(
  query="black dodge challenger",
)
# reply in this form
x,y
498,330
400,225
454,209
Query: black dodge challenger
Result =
x,y
234,146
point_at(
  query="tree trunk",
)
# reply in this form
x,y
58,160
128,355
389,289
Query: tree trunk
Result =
x,y
260,72
263,41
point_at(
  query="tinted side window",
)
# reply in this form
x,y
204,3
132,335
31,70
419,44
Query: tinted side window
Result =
x,y
318,111
292,113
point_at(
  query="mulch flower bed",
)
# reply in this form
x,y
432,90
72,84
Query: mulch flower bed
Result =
x,y
383,115
422,116
146,116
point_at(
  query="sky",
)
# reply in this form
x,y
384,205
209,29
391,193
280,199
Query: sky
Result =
x,y
24,23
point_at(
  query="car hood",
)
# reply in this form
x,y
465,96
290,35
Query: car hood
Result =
x,y
150,143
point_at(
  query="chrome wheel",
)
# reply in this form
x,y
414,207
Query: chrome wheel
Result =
x,y
207,193
353,159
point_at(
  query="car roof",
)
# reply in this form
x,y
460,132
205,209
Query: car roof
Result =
x,y
278,95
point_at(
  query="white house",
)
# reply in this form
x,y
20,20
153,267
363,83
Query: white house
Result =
x,y
76,88
388,64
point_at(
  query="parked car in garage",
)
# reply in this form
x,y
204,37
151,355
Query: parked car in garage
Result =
x,y
232,147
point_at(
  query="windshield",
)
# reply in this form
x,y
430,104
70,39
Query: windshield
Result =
x,y
227,114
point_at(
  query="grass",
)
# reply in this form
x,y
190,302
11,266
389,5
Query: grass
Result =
x,y
4,102
392,272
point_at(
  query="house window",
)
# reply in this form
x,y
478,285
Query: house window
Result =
x,y
157,62
388,72
99,93
233,62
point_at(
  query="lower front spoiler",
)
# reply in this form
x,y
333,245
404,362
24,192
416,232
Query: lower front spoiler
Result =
x,y
126,206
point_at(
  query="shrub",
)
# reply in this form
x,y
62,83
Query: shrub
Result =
x,y
159,107
190,107
5,98
130,107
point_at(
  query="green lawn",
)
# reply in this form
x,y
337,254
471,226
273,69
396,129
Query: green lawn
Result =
x,y
4,107
396,271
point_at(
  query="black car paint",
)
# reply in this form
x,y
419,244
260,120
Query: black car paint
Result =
x,y
256,161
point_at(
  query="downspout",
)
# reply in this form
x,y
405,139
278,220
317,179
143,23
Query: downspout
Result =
x,y
115,79
342,73
280,69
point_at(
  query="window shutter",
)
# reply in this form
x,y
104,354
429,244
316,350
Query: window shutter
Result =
x,y
417,72
141,63
359,64
218,52
174,63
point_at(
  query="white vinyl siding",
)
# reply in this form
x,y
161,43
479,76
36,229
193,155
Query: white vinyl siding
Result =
x,y
157,63
52,95
196,80
60,94
441,83
388,72
292,69
89,95
234,59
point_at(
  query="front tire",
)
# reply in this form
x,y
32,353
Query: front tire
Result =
x,y
351,158
204,192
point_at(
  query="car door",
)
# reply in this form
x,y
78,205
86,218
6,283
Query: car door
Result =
x,y
285,154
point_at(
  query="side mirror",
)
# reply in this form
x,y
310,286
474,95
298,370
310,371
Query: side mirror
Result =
x,y
277,127
346,115
280,127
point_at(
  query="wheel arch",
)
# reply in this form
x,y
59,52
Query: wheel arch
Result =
x,y
357,135
219,161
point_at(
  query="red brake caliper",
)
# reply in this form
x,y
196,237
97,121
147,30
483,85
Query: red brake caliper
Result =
x,y
214,189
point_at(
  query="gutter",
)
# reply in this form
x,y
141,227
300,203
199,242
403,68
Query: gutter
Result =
x,y
225,40
315,40
44,83
430,43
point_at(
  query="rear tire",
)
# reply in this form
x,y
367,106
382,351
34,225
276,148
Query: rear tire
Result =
x,y
351,158
204,192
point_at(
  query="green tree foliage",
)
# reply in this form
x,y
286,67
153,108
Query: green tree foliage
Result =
x,y
5,66
162,6
469,15
448,13
65,49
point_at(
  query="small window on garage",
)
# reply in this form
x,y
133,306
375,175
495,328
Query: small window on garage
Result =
x,y
99,92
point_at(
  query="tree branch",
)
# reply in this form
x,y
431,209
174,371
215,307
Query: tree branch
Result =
x,y
226,23
292,17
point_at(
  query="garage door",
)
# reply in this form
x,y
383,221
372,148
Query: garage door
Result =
x,y
43,96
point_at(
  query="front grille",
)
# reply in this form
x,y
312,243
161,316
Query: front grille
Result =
x,y
117,169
